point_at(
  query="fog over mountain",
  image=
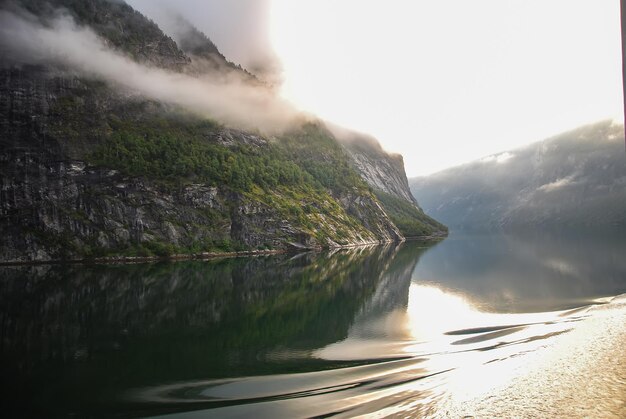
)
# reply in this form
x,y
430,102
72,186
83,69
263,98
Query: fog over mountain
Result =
x,y
240,28
119,140
572,181
225,95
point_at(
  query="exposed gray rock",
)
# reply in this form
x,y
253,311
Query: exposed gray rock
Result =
x,y
381,170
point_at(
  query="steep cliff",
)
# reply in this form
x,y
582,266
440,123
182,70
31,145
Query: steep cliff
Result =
x,y
381,170
88,169
104,175
384,173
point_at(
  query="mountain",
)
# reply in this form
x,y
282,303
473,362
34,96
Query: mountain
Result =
x,y
575,180
102,154
385,174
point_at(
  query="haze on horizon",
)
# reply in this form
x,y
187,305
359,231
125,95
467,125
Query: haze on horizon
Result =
x,y
441,82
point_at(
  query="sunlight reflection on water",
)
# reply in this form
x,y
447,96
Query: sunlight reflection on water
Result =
x,y
457,337
446,356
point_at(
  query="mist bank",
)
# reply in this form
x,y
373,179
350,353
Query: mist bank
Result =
x,y
241,29
58,40
574,181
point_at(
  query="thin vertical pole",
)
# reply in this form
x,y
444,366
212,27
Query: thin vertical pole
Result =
x,y
623,22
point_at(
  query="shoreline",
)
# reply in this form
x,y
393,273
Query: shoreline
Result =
x,y
112,260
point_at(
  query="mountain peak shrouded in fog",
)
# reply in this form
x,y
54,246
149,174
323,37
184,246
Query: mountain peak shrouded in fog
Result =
x,y
112,42
575,180
240,29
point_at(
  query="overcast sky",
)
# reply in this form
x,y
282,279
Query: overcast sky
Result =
x,y
442,81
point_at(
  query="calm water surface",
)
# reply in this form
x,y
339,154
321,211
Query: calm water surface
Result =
x,y
474,325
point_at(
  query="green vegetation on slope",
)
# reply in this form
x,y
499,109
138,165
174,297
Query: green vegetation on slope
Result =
x,y
169,149
410,220
167,155
297,176
317,152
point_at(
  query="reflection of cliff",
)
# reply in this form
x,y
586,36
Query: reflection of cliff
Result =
x,y
392,292
117,327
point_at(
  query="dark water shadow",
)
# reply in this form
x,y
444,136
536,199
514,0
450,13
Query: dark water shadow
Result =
x,y
97,331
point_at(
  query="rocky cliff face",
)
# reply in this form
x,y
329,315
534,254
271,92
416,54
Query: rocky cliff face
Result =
x,y
55,203
381,170
384,173
87,170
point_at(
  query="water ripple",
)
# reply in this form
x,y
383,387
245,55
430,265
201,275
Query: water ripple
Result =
x,y
420,385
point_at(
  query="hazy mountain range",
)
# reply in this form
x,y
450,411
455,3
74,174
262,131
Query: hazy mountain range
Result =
x,y
572,181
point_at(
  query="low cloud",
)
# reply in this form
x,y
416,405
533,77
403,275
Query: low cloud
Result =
x,y
557,184
241,29
230,100
497,158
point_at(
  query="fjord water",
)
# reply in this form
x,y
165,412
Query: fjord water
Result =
x,y
487,325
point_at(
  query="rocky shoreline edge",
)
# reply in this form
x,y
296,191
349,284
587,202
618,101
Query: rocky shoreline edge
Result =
x,y
294,249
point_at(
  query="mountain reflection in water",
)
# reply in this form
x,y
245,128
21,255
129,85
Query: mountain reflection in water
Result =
x,y
410,330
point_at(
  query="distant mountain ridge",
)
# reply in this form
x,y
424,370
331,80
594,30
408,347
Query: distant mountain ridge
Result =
x,y
571,181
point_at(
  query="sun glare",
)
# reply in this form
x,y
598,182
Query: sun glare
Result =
x,y
443,82
432,312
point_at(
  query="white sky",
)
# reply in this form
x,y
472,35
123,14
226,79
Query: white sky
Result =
x,y
447,81
442,82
